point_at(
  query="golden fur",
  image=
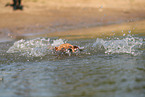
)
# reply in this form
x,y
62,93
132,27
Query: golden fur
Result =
x,y
65,46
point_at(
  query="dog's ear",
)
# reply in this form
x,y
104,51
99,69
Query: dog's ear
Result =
x,y
56,48
75,47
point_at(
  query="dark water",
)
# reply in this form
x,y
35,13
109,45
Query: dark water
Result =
x,y
111,67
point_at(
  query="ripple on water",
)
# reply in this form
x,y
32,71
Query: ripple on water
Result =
x,y
104,67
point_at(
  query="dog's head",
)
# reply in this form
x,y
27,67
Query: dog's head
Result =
x,y
71,48
75,47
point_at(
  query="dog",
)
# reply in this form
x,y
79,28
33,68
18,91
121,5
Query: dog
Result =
x,y
66,47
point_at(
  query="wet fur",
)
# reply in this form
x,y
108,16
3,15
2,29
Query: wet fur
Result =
x,y
66,46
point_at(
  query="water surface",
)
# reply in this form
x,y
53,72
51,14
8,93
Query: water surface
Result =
x,y
112,67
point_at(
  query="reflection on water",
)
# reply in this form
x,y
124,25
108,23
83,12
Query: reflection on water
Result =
x,y
113,67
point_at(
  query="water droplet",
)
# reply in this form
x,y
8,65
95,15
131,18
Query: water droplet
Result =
x,y
129,31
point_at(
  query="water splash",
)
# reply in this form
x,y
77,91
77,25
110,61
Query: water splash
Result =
x,y
35,47
58,42
41,46
128,44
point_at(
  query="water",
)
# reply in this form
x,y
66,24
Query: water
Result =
x,y
112,67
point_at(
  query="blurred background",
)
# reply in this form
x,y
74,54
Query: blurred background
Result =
x,y
42,17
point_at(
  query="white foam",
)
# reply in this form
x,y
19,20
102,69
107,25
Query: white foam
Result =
x,y
41,46
57,42
129,45
35,47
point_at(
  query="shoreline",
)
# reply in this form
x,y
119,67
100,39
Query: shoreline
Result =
x,y
133,28
63,18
